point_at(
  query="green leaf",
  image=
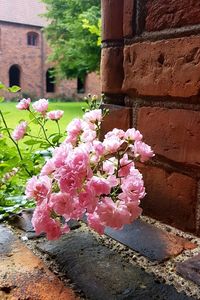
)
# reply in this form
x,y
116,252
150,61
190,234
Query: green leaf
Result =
x,y
56,138
14,89
32,142
2,99
2,86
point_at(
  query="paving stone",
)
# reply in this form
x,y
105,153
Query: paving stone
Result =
x,y
101,273
150,241
190,269
24,276
23,220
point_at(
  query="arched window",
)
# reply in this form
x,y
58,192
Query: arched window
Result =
x,y
80,85
50,81
32,38
14,75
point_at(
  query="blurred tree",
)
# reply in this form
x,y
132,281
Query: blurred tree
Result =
x,y
73,34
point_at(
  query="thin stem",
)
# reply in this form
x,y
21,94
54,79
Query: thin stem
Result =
x,y
43,129
14,142
58,125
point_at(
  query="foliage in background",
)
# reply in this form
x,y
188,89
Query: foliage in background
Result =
x,y
74,35
14,166
12,172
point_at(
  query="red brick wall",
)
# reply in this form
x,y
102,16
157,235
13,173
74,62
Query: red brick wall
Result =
x,y
150,64
33,63
14,50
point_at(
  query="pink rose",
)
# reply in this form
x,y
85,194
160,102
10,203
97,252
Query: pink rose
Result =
x,y
132,188
95,223
55,115
126,165
62,204
112,144
38,188
119,133
24,104
41,106
43,223
88,199
113,214
100,185
74,129
48,168
60,154
109,165
88,135
93,116
142,150
133,135
20,131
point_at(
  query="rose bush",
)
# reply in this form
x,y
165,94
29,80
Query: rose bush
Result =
x,y
89,177
84,176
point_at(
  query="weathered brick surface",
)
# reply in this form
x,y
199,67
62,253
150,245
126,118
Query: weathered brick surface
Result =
x,y
112,19
150,241
190,269
24,276
162,68
163,14
171,197
173,133
103,274
128,17
112,72
118,117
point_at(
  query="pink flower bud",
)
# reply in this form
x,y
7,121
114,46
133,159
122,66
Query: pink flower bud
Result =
x,y
41,106
55,114
24,104
20,131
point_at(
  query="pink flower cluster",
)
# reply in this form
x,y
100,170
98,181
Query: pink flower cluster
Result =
x,y
88,177
40,106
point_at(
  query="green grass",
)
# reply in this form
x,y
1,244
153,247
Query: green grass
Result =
x,y
71,110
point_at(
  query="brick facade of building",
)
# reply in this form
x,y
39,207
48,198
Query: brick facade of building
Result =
x,y
150,73
23,47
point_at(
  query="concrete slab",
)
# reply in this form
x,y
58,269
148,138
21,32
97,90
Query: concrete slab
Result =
x,y
150,241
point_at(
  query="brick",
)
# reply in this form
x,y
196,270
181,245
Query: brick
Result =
x,y
103,274
112,73
190,269
178,135
116,113
150,241
163,14
24,276
171,197
128,18
112,19
163,68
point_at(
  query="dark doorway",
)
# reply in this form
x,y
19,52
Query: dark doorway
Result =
x,y
14,75
50,81
80,85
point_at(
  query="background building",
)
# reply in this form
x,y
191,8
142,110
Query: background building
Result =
x,y
24,52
